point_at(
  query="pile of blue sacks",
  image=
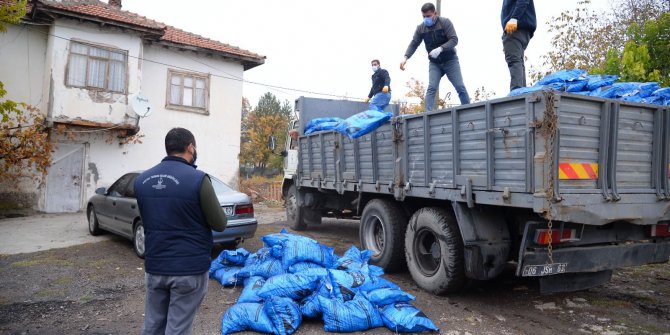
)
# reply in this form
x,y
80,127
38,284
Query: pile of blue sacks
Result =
x,y
603,86
294,277
354,126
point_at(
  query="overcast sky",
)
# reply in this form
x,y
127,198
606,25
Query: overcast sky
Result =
x,y
326,46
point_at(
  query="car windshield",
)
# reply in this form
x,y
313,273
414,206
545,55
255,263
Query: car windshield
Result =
x,y
219,186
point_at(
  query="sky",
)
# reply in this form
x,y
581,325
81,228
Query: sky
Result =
x,y
326,46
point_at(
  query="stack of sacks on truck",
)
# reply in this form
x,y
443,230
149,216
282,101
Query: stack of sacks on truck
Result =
x,y
354,126
603,86
294,277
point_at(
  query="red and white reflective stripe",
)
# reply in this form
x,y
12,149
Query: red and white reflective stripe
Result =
x,y
542,236
660,230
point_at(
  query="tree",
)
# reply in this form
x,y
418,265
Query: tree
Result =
x,y
11,13
481,94
269,118
417,89
584,38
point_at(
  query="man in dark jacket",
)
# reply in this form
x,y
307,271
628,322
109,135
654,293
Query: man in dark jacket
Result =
x,y
439,36
380,93
519,24
179,209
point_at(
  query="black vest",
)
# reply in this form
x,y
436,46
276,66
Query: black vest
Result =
x,y
434,37
178,241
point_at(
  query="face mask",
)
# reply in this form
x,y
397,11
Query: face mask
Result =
x,y
428,21
375,68
195,156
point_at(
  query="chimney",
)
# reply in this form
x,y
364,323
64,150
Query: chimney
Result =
x,y
115,3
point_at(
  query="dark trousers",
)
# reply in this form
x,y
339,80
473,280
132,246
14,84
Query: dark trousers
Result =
x,y
514,45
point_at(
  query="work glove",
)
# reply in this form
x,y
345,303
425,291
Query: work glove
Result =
x,y
511,26
385,89
402,64
436,52
367,99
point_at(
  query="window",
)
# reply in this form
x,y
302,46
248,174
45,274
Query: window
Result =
x,y
97,68
188,91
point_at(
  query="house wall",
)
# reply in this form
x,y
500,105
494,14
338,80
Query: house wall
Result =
x,y
22,67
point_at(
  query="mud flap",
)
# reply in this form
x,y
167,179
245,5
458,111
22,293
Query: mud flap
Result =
x,y
570,282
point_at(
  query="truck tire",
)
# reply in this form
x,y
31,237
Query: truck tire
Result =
x,y
434,251
299,217
382,230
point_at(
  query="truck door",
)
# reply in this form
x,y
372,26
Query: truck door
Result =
x,y
291,162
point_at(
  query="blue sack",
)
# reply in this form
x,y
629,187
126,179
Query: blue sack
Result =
x,y
524,90
357,314
233,257
267,268
315,123
278,239
353,259
563,76
329,123
385,296
246,316
213,267
297,267
376,283
662,92
310,306
297,251
576,85
402,317
290,285
347,284
284,315
250,291
315,273
227,276
598,81
363,123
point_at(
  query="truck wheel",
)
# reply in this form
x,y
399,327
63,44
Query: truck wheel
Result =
x,y
434,250
382,229
299,217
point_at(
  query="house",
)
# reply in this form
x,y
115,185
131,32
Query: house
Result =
x,y
88,65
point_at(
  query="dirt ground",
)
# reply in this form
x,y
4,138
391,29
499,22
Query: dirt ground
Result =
x,y
98,288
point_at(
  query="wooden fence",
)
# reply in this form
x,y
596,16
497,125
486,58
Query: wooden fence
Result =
x,y
264,191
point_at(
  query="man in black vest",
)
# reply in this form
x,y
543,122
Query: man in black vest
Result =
x,y
439,36
179,209
380,92
519,24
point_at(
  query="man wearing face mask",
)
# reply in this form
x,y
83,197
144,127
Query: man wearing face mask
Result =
x,y
380,93
439,36
179,209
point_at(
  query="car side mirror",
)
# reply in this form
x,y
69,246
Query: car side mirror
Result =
x,y
283,153
101,191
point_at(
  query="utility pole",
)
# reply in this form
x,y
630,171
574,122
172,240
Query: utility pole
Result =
x,y
438,6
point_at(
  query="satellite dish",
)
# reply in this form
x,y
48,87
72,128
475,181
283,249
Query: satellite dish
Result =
x,y
140,105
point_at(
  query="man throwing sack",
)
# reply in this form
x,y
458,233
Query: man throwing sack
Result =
x,y
380,93
519,24
439,36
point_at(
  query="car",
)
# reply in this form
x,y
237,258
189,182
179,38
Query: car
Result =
x,y
115,210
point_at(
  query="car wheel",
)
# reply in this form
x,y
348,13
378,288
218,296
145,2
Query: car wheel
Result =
x,y
138,239
382,230
434,251
93,227
299,217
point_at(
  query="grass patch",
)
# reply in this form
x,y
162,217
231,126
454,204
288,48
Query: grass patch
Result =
x,y
48,293
86,298
41,261
63,281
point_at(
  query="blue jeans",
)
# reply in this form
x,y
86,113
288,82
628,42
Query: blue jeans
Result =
x,y
171,303
379,101
451,68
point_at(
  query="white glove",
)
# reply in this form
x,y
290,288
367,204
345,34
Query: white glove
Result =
x,y
436,52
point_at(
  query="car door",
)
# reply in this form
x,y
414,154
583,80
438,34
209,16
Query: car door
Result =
x,y
111,204
126,207
104,209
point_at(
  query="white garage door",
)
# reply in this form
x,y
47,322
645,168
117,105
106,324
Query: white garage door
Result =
x,y
64,181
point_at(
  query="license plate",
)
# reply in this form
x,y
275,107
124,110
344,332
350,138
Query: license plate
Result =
x,y
544,270
228,210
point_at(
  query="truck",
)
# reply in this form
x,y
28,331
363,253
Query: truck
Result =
x,y
553,185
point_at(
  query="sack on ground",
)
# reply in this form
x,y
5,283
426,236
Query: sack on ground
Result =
x,y
233,257
354,315
246,316
289,285
267,268
227,276
385,296
376,283
347,284
402,317
250,291
310,306
297,267
284,314
297,251
353,259
283,236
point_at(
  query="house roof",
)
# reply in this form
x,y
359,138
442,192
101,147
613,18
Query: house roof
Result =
x,y
104,13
